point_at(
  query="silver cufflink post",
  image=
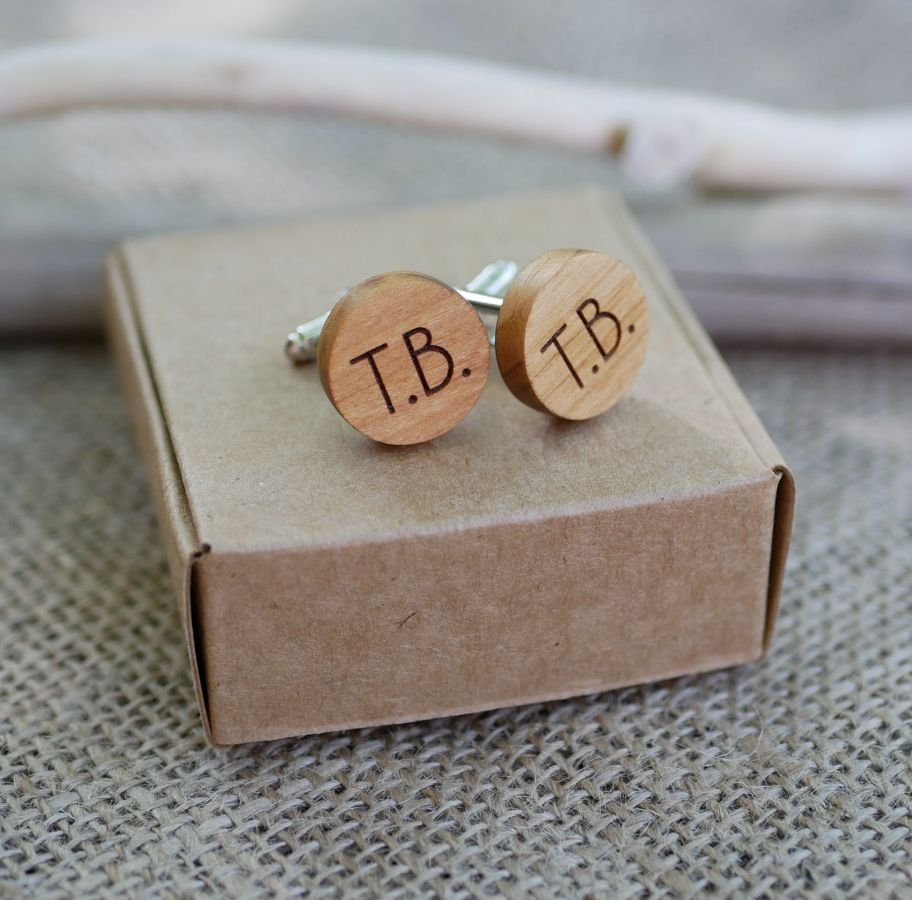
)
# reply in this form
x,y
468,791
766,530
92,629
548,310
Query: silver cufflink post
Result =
x,y
485,292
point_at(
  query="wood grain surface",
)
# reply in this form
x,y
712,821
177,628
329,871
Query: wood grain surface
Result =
x,y
403,357
572,334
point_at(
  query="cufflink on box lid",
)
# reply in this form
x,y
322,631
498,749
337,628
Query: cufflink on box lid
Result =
x,y
403,357
572,334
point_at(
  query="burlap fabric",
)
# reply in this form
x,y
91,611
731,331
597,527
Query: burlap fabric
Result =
x,y
788,778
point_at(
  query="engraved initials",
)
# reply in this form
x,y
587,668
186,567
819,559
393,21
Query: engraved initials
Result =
x,y
588,322
415,354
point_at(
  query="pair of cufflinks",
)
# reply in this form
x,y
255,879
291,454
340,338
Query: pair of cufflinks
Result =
x,y
404,357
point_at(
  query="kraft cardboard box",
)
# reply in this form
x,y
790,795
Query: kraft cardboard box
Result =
x,y
327,582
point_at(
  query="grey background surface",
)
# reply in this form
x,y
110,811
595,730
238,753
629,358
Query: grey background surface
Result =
x,y
73,185
171,169
788,778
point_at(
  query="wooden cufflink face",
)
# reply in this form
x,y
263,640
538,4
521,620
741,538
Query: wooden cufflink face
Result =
x,y
403,357
572,333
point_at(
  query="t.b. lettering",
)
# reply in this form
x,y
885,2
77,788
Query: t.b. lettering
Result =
x,y
589,312
418,342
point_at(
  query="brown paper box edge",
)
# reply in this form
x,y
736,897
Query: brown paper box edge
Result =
x,y
739,407
182,544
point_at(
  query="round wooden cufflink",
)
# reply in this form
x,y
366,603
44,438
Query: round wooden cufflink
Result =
x,y
403,357
571,337
572,333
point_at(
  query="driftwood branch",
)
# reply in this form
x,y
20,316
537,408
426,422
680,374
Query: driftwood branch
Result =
x,y
659,138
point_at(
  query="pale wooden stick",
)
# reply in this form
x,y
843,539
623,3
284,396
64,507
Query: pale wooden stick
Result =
x,y
659,138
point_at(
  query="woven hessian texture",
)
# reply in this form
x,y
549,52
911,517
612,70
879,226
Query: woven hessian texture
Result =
x,y
787,778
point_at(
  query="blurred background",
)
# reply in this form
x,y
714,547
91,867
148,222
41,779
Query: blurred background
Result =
x,y
73,184
788,778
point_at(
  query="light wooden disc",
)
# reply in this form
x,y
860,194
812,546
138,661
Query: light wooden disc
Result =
x,y
403,357
572,333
